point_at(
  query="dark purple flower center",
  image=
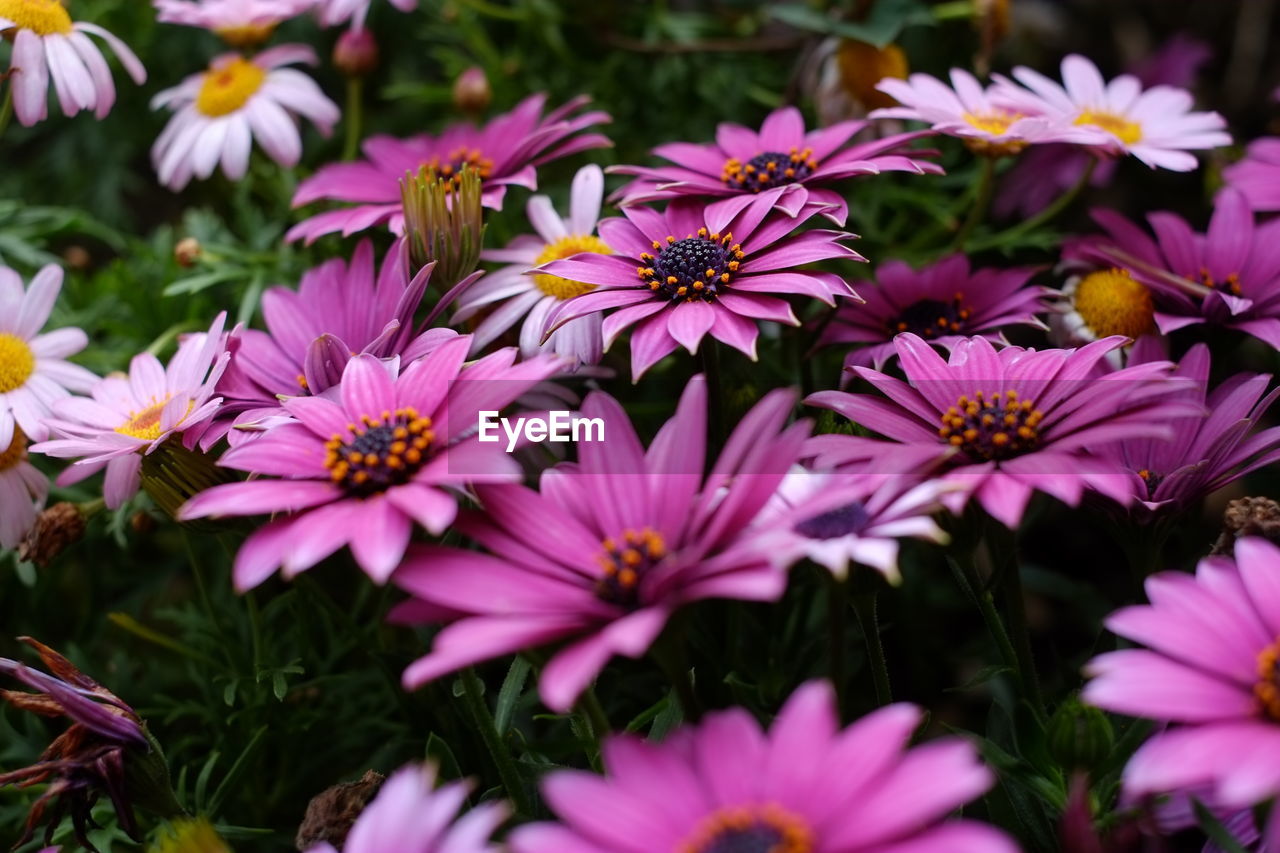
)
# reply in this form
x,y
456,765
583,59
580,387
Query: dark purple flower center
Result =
x,y
770,169
451,166
1230,284
931,318
992,427
835,523
1153,481
625,562
751,830
697,267
382,452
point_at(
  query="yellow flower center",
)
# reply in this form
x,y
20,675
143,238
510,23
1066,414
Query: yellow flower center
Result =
x,y
228,87
16,451
769,828
1266,689
42,17
245,35
625,561
1111,302
144,424
382,452
992,426
1128,132
997,123
567,247
17,362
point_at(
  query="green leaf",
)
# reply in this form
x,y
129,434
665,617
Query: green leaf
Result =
x,y
887,20
509,695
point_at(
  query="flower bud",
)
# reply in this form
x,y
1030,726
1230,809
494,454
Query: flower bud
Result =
x,y
332,812
77,257
1080,736
356,53
187,252
56,529
443,222
172,474
471,91
864,65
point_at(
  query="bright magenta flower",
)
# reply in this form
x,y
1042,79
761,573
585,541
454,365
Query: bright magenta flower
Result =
x,y
608,549
782,159
505,152
693,270
1257,176
805,786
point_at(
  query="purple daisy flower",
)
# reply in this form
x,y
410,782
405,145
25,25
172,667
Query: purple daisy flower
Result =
x,y
609,548
941,303
1229,276
1211,670
132,416
1207,452
411,815
367,460
838,518
337,311
795,166
1257,176
85,761
535,296
693,270
804,786
1015,421
505,152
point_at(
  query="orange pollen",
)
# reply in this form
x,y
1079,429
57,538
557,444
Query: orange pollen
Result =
x,y
624,562
1266,690
768,828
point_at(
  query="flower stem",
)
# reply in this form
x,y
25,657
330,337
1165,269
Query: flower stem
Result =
x,y
837,606
1047,215
355,117
966,571
6,108
473,696
981,201
670,656
1003,544
864,605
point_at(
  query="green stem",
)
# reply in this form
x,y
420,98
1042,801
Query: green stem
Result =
x,y
355,117
1003,544
591,708
6,108
837,607
864,605
1048,214
669,654
981,201
473,696
171,334
966,570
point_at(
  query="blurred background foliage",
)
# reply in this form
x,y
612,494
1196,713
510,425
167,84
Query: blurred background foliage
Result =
x,y
262,701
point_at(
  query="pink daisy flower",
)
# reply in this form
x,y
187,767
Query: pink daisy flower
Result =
x,y
941,303
335,12
987,123
34,373
838,518
1209,451
1257,176
48,44
1156,125
804,786
338,310
23,490
505,152
608,549
517,293
363,463
1210,671
411,815
1228,276
796,166
218,114
693,270
131,416
239,23
1016,421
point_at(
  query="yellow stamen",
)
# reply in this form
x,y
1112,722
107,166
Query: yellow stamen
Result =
x,y
17,362
1128,132
42,17
1111,302
227,87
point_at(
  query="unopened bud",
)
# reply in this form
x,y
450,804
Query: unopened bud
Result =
x,y
443,222
331,813
187,252
471,91
1080,736
356,53
864,65
77,257
172,474
56,529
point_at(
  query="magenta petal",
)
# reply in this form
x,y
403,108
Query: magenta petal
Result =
x,y
367,388
382,537
689,321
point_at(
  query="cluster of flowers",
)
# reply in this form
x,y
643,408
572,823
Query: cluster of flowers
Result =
x,y
358,425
